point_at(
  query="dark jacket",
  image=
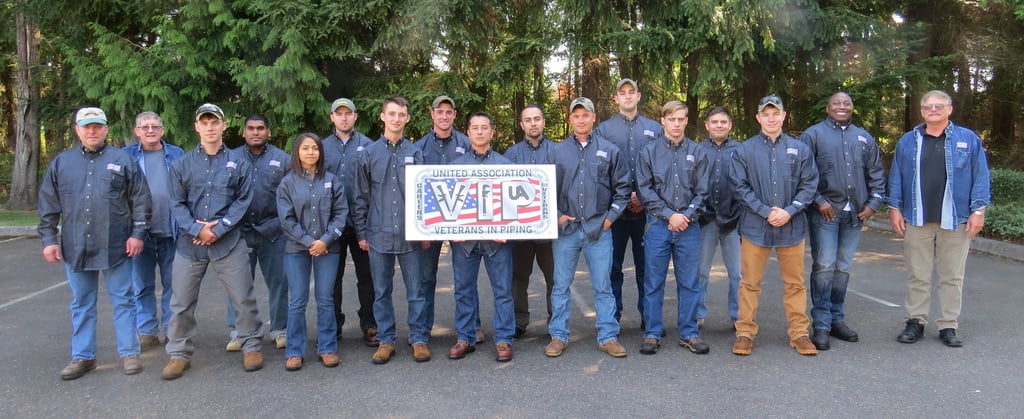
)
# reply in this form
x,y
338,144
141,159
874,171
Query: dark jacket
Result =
x,y
593,184
100,199
210,188
311,210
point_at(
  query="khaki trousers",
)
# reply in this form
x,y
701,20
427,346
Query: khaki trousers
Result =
x,y
930,248
754,258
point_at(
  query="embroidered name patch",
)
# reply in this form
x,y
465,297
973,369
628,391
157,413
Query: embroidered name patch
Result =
x,y
232,165
114,167
690,158
961,144
793,151
275,163
648,133
410,159
601,153
327,185
862,139
460,150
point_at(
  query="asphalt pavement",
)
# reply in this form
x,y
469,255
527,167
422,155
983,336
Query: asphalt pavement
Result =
x,y
875,377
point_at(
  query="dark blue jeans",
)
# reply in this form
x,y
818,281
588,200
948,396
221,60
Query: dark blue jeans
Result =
x,y
467,300
683,249
833,245
383,267
324,268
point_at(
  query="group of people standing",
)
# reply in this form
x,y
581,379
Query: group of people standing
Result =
x,y
154,207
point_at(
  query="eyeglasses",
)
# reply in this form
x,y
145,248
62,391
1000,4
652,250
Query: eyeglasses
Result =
x,y
151,127
934,107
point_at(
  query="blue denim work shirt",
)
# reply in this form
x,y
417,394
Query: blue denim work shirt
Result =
x,y
100,199
210,188
593,184
311,210
849,167
488,247
768,174
968,180
720,205
438,151
630,136
268,168
672,178
379,211
341,158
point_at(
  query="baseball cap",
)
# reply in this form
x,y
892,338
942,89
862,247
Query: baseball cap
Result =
x,y
442,99
341,101
86,116
209,108
624,81
772,100
581,101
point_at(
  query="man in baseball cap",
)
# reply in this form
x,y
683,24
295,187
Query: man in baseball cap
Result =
x,y
86,116
209,109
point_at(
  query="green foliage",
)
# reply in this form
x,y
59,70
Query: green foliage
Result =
x,y
1005,221
1007,186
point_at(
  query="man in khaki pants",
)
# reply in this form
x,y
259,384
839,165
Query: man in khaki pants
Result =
x,y
938,192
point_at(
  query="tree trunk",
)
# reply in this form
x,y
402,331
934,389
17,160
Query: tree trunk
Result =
x,y
8,107
24,179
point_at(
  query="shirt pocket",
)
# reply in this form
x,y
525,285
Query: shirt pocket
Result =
x,y
961,159
599,171
116,185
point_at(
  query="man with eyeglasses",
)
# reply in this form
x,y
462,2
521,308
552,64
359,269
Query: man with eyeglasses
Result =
x,y
154,156
939,188
851,182
775,179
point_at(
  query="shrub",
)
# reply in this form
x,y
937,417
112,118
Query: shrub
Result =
x,y
1007,186
1005,221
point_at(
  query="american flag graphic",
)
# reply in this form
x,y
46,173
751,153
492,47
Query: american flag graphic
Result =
x,y
432,215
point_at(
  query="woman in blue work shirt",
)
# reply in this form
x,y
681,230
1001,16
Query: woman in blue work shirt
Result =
x,y
312,207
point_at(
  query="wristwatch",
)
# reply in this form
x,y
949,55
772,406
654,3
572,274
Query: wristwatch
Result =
x,y
979,212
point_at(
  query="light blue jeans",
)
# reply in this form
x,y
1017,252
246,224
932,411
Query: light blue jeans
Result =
x,y
84,286
324,268
599,261
158,253
711,237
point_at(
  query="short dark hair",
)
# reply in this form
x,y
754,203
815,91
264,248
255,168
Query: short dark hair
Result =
x,y
297,163
531,106
398,100
490,121
718,110
258,117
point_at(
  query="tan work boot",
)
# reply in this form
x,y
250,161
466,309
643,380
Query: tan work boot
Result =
x,y
420,352
175,368
252,361
384,353
614,348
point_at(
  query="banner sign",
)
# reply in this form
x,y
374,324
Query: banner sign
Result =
x,y
480,202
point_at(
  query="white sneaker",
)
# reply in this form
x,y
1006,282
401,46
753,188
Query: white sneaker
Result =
x,y
280,341
234,345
